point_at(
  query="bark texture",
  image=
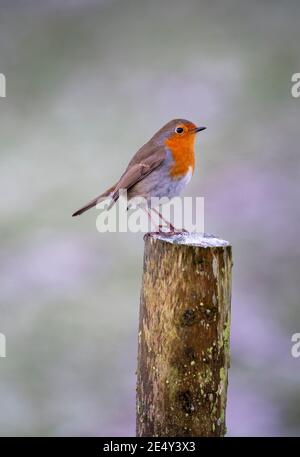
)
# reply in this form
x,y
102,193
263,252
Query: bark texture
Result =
x,y
183,353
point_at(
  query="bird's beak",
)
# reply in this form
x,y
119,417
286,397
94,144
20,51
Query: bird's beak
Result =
x,y
199,129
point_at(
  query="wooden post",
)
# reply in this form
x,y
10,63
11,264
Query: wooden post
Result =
x,y
183,354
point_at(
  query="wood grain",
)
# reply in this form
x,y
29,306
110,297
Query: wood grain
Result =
x,y
183,352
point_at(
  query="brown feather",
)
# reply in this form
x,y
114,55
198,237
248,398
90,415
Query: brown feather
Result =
x,y
138,170
94,202
147,159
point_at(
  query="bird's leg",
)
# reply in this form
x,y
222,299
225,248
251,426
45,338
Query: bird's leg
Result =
x,y
171,227
151,220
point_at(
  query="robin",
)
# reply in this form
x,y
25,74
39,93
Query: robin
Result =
x,y
160,168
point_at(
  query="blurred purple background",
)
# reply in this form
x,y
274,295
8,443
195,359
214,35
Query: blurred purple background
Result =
x,y
88,82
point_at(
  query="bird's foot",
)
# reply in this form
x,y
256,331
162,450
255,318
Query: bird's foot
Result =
x,y
162,230
172,231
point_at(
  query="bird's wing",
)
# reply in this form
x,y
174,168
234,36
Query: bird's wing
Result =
x,y
94,202
139,169
142,164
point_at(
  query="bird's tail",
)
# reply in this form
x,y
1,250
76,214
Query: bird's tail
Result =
x,y
94,202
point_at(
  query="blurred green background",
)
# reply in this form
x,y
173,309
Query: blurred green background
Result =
x,y
88,82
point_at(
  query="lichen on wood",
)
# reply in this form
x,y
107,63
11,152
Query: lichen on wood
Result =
x,y
184,329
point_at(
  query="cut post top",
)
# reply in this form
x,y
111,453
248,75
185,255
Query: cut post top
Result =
x,y
204,240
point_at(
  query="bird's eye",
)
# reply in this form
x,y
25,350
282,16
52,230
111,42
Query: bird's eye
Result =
x,y
179,130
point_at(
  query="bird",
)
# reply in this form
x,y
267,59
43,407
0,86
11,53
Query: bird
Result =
x,y
162,167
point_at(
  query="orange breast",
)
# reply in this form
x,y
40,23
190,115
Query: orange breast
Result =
x,y
183,152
